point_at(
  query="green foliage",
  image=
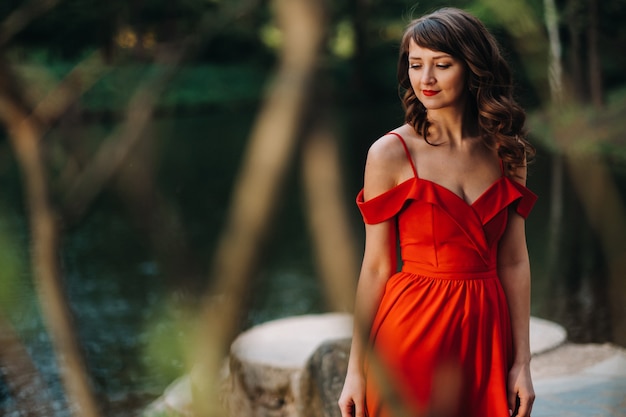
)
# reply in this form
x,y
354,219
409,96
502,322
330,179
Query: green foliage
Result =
x,y
582,129
194,85
167,343
12,269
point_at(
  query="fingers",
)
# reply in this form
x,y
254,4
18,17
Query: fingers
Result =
x,y
512,400
351,409
521,407
525,406
521,394
346,411
358,411
345,406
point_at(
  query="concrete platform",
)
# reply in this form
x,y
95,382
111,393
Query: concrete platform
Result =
x,y
586,380
575,380
545,335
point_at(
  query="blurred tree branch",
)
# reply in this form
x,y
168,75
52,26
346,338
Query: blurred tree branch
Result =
x,y
256,193
135,182
606,212
115,149
69,90
21,18
25,134
27,127
557,169
328,219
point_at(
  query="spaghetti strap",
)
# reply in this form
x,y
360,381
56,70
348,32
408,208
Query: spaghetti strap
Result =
x,y
406,150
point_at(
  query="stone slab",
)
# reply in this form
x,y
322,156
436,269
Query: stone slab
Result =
x,y
290,342
545,335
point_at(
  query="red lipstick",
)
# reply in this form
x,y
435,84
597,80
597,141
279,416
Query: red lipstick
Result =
x,y
429,93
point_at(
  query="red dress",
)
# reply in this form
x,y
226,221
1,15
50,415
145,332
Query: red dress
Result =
x,y
443,320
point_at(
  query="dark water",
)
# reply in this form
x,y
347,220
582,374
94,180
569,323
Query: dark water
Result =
x,y
118,288
121,295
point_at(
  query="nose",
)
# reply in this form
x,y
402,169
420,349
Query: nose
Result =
x,y
428,77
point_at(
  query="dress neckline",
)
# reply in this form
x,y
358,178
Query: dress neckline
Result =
x,y
447,190
437,185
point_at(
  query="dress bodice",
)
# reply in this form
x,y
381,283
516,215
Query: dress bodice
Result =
x,y
439,231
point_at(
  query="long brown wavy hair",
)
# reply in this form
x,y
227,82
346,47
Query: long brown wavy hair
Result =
x,y
499,118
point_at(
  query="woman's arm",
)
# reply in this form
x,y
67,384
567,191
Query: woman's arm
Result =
x,y
514,272
379,263
377,267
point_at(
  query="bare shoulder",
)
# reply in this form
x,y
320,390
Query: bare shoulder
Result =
x,y
383,169
386,150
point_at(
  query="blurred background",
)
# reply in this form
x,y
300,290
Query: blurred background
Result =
x,y
156,156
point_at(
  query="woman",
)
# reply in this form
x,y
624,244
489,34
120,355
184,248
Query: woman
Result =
x,y
451,328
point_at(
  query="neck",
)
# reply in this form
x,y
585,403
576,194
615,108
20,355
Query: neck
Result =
x,y
450,126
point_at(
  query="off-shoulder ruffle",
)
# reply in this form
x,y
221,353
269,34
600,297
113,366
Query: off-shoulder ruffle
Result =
x,y
502,193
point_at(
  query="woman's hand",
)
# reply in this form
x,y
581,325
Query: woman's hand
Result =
x,y
521,388
352,399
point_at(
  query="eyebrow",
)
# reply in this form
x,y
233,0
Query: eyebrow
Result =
x,y
435,57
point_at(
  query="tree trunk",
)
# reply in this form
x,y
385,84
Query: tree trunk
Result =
x,y
606,213
555,72
256,193
574,20
595,70
25,137
334,245
555,68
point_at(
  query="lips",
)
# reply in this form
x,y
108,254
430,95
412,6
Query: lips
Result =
x,y
429,93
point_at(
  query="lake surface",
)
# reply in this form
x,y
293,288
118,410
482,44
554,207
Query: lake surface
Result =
x,y
122,298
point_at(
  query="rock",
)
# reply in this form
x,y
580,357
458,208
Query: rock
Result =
x,y
269,369
326,372
177,398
